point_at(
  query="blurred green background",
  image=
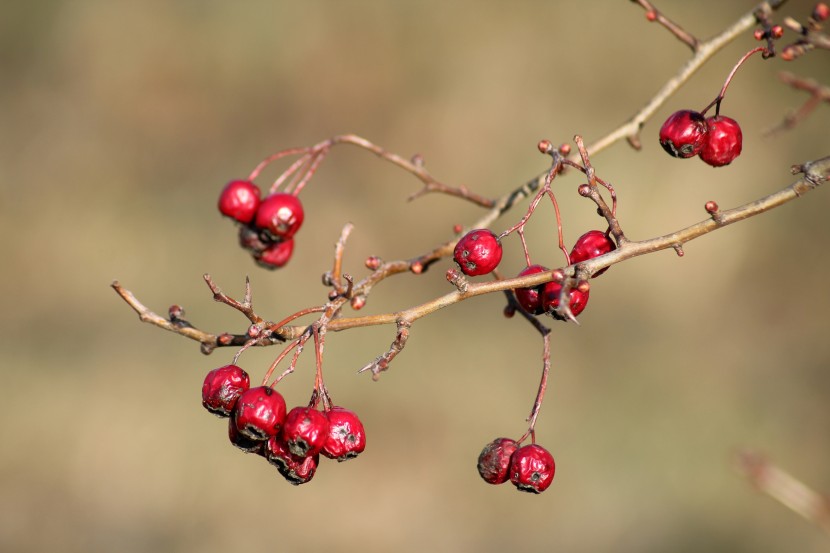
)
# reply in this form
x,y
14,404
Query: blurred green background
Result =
x,y
123,120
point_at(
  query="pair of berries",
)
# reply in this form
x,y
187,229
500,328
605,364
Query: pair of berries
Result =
x,y
717,140
267,227
530,468
293,440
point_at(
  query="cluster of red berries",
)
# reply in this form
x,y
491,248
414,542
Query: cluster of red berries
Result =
x,y
292,441
530,468
266,227
717,140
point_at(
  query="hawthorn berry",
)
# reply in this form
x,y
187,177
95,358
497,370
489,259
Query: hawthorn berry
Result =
x,y
478,252
494,460
305,431
531,298
346,437
723,143
250,239
683,133
532,468
259,413
296,469
577,299
222,388
593,243
280,215
239,200
276,255
242,442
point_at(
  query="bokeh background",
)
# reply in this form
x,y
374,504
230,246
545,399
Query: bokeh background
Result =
x,y
121,121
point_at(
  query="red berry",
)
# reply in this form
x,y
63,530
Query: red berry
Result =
x,y
259,413
531,298
281,215
305,431
222,388
494,460
593,243
532,468
723,143
346,436
577,299
478,252
821,12
242,442
276,255
683,133
239,200
297,470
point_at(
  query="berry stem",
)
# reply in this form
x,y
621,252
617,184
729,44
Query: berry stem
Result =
x,y
274,157
543,386
716,102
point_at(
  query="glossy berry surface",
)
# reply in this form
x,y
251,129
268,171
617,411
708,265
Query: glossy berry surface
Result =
x,y
305,431
280,215
478,252
297,470
222,388
494,460
593,243
577,300
346,437
239,200
724,141
683,133
531,298
276,255
259,413
532,468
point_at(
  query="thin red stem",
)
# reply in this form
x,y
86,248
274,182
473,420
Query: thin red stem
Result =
x,y
274,157
716,102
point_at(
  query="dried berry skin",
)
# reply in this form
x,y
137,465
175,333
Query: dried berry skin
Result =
x,y
532,468
494,460
281,215
683,133
724,141
305,431
593,243
478,252
259,413
577,300
222,388
242,442
297,470
346,437
276,255
239,200
531,298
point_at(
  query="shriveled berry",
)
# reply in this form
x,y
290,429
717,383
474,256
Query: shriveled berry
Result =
x,y
478,252
723,143
532,468
243,442
305,431
577,299
593,243
222,388
259,413
531,298
250,239
346,437
280,215
239,200
494,460
297,470
276,255
683,133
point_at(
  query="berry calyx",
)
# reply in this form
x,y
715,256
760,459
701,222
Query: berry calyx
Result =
x,y
683,133
723,143
222,388
577,299
276,255
531,298
494,460
280,215
593,243
532,468
305,431
242,442
346,437
296,469
239,200
259,413
478,252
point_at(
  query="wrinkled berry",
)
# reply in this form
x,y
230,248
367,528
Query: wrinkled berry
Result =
x,y
531,298
297,470
280,215
494,460
577,299
532,468
242,442
276,255
346,437
593,243
239,200
259,413
723,143
222,388
305,431
478,252
683,133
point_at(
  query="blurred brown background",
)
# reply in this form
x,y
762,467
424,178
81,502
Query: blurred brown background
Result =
x,y
121,121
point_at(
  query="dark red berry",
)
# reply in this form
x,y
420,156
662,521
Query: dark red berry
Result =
x,y
683,133
297,470
494,460
222,388
593,243
280,215
577,299
259,413
242,442
276,255
478,252
532,468
723,143
239,200
305,431
346,437
531,298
